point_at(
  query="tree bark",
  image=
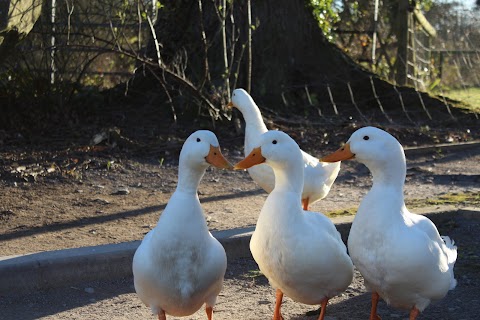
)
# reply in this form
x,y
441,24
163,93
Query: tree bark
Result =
x,y
17,18
293,65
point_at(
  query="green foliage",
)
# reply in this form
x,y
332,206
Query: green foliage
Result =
x,y
470,97
326,15
425,5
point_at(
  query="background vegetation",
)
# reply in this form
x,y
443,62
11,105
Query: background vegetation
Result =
x,y
118,62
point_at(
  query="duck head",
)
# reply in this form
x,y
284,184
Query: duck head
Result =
x,y
375,148
241,100
276,149
202,149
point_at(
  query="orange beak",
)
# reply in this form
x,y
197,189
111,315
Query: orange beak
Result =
x,y
230,105
255,157
341,154
216,158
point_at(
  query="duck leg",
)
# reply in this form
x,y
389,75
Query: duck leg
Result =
x,y
373,312
162,316
414,313
277,315
324,309
209,311
305,203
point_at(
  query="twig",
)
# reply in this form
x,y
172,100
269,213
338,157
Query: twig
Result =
x,y
446,104
331,99
206,72
378,100
423,104
224,44
402,104
355,104
249,45
162,83
157,46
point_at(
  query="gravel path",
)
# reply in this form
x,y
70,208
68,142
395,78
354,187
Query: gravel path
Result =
x,y
230,200
247,295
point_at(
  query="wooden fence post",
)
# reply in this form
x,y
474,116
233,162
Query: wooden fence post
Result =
x,y
402,36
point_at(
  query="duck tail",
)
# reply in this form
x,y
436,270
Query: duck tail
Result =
x,y
451,252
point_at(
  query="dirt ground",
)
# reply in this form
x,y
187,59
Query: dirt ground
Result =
x,y
51,201
247,295
54,200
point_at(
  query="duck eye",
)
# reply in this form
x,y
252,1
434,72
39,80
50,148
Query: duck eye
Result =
x,y
198,140
274,141
366,137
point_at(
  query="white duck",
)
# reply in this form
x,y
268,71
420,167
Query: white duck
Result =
x,y
300,252
401,255
179,265
318,176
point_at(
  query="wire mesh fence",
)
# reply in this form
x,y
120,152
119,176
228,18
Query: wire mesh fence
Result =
x,y
76,42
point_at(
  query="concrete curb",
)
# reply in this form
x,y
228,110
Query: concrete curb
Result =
x,y
45,270
50,269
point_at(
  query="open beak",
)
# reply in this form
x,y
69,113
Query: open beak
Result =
x,y
255,157
230,105
216,158
341,154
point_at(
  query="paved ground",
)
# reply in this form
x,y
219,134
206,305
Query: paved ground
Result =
x,y
230,200
246,295
55,212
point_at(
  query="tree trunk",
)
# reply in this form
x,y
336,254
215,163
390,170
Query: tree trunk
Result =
x,y
293,65
17,18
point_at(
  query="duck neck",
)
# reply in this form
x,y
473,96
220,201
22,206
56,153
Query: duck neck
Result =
x,y
289,178
189,178
254,127
389,176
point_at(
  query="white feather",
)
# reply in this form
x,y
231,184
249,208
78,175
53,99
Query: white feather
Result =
x,y
318,176
400,254
179,265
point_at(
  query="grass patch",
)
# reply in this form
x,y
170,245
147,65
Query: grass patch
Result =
x,y
342,212
253,274
470,97
469,199
466,199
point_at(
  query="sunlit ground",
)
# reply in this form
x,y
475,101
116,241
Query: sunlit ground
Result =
x,y
470,96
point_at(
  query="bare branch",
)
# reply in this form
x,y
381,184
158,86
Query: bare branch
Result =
x,y
206,75
249,45
157,45
224,44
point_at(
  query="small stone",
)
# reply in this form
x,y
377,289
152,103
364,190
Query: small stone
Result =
x,y
122,191
101,201
89,290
